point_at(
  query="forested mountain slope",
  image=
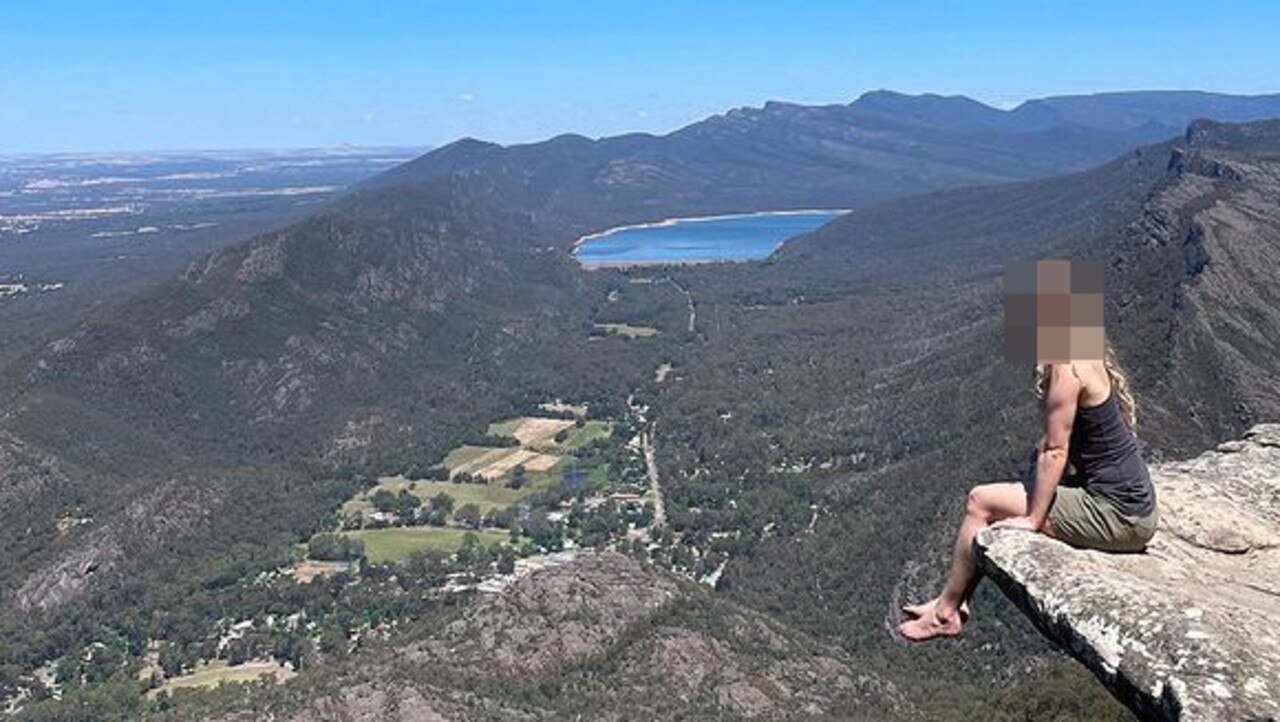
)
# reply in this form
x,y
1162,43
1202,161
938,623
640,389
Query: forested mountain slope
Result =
x,y
817,431
782,155
602,637
854,386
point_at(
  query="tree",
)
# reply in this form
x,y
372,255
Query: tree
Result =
x,y
237,652
545,534
67,670
442,502
518,476
103,662
384,501
507,561
472,553
333,639
172,659
291,648
335,548
639,549
468,515
492,518
407,504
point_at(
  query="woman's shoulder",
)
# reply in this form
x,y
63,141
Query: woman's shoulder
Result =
x,y
1095,384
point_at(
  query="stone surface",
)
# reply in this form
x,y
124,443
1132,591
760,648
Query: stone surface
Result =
x,y
1191,628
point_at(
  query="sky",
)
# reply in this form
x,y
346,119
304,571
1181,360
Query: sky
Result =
x,y
95,75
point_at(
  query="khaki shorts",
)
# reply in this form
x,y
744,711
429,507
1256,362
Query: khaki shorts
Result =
x,y
1084,520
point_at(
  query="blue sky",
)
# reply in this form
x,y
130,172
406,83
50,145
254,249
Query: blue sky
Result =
x,y
99,75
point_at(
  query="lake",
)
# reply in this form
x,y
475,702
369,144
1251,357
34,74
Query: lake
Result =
x,y
739,237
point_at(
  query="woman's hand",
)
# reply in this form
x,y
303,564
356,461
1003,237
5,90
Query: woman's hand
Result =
x,y
1017,522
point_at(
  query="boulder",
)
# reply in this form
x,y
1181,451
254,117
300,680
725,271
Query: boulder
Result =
x,y
1190,629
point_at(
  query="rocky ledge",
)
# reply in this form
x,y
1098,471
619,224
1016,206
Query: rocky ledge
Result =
x,y
1191,628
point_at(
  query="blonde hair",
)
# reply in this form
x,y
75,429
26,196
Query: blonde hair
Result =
x,y
1115,374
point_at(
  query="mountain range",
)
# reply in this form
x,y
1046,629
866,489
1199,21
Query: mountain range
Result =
x,y
827,410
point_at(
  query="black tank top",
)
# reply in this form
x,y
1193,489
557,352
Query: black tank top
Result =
x,y
1105,456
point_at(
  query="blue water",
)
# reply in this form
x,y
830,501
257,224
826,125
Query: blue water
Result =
x,y
732,238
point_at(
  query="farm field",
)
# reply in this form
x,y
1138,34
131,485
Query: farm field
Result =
x,y
485,496
530,430
496,463
211,674
395,544
539,433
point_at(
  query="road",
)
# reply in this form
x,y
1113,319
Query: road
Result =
x,y
647,444
688,298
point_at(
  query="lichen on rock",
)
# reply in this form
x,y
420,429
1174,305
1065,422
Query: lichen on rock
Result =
x,y
1188,629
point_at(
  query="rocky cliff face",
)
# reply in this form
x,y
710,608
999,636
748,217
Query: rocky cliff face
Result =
x,y
1186,630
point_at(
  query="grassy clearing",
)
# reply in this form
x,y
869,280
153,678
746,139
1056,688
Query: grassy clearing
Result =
x,y
625,329
308,570
530,430
465,455
506,427
390,545
588,432
211,674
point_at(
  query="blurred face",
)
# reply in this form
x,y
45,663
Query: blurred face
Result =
x,y
1053,311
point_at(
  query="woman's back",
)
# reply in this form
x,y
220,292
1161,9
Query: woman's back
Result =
x,y
1103,450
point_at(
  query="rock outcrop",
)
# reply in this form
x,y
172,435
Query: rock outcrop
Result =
x,y
1189,629
602,637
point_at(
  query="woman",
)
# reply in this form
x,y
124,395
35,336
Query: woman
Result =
x,y
1108,502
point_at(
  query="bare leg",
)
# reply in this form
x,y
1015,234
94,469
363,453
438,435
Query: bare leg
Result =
x,y
987,503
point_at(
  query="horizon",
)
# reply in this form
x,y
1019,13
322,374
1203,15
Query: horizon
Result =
x,y
426,148
150,77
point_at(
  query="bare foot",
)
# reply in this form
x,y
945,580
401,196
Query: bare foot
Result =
x,y
931,627
926,608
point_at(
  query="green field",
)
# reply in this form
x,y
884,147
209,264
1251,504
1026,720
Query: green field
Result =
x,y
624,329
506,427
590,431
389,545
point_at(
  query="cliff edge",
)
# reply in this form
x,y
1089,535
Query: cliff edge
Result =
x,y
1191,628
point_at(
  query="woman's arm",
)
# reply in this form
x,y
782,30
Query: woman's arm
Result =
x,y
1060,413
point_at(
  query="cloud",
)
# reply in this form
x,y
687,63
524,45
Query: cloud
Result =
x,y
466,97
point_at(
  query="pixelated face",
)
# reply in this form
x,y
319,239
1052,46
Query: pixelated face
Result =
x,y
1053,311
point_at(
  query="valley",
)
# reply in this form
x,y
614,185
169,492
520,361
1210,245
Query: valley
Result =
x,y
412,424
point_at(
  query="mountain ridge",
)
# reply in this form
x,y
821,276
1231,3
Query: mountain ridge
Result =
x,y
209,425
881,146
